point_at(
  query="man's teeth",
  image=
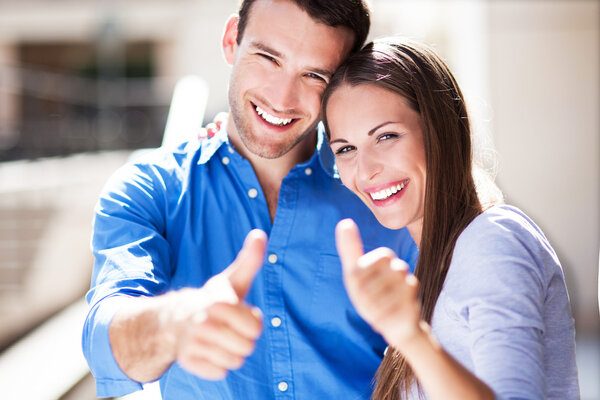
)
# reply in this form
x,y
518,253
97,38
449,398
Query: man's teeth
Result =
x,y
385,193
272,119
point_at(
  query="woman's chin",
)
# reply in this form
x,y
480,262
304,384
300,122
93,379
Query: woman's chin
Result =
x,y
390,223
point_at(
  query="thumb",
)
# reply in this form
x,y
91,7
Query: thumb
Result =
x,y
244,268
349,244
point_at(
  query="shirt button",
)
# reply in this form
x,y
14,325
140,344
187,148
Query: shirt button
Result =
x,y
225,160
230,150
282,386
272,258
308,171
276,322
252,193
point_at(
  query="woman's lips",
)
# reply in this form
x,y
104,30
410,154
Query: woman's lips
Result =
x,y
384,195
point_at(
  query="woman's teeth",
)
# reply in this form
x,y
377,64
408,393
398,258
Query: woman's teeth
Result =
x,y
385,193
272,119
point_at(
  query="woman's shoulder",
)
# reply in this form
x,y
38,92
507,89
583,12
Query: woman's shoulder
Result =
x,y
502,241
500,225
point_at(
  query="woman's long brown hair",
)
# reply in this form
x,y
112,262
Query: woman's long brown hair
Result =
x,y
418,74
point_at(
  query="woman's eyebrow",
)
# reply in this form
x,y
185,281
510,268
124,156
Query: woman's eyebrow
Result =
x,y
372,131
340,140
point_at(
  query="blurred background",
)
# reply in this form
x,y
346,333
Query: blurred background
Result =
x,y
85,83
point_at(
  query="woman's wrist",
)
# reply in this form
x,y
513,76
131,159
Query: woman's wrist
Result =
x,y
413,340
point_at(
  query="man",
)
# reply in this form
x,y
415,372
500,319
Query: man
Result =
x,y
168,300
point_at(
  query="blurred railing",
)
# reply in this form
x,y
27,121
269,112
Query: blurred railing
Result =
x,y
50,113
46,209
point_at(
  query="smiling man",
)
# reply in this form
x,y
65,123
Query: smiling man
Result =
x,y
171,298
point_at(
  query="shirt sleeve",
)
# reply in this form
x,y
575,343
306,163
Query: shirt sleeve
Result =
x,y
131,258
498,290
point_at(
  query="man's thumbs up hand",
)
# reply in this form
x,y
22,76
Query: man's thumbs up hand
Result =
x,y
379,285
214,329
242,271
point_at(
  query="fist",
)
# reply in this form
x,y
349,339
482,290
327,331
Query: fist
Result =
x,y
214,329
379,285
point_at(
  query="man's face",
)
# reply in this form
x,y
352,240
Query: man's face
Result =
x,y
280,69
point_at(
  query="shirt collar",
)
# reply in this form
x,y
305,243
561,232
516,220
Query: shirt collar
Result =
x,y
325,154
209,147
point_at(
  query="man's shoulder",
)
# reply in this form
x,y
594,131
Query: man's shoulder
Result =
x,y
172,156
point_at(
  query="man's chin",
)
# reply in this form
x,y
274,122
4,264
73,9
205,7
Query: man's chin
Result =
x,y
267,151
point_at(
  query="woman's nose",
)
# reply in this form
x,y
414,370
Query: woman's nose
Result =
x,y
369,165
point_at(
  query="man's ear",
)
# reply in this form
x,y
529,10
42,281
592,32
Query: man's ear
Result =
x,y
229,40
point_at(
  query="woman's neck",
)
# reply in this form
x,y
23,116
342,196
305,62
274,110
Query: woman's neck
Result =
x,y
416,229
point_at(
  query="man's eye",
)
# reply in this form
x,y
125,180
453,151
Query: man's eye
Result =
x,y
316,77
267,57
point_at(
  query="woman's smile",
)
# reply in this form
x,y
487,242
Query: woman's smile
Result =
x,y
379,152
390,192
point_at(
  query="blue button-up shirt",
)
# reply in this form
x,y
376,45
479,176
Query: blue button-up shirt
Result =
x,y
175,218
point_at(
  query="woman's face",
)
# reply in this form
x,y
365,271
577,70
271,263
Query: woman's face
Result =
x,y
377,140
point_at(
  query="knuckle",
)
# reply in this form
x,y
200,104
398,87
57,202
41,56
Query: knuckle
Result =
x,y
216,373
236,362
384,253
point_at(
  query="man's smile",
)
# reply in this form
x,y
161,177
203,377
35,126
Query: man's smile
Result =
x,y
271,119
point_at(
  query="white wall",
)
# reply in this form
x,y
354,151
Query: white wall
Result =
x,y
545,68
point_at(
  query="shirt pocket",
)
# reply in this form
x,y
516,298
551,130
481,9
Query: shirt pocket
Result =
x,y
332,312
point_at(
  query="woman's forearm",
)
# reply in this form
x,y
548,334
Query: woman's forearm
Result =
x,y
441,376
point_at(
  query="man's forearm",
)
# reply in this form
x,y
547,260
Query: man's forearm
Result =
x,y
139,337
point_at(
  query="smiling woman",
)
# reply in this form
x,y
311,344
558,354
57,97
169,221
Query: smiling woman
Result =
x,y
380,154
487,313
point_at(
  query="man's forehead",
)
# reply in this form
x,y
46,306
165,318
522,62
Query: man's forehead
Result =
x,y
286,30
285,15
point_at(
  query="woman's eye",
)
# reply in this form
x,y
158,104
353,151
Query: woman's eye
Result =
x,y
343,150
386,136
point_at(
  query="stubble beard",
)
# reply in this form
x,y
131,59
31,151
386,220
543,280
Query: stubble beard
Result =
x,y
252,141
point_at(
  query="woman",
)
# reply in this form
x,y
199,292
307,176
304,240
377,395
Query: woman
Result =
x,y
487,285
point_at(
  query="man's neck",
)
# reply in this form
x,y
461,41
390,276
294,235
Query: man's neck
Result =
x,y
270,172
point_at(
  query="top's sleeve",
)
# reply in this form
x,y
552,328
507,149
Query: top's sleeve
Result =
x,y
498,290
131,259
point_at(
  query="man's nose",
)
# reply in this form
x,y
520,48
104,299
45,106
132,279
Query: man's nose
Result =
x,y
284,93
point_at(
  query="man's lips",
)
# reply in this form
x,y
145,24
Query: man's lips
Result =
x,y
272,119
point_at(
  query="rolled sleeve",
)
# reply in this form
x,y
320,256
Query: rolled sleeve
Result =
x,y
111,381
131,258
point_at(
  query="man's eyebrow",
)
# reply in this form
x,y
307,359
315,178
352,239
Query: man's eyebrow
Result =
x,y
265,48
320,71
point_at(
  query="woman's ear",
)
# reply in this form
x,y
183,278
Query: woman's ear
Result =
x,y
229,40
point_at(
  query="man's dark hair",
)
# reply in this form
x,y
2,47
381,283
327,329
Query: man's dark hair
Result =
x,y
352,14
